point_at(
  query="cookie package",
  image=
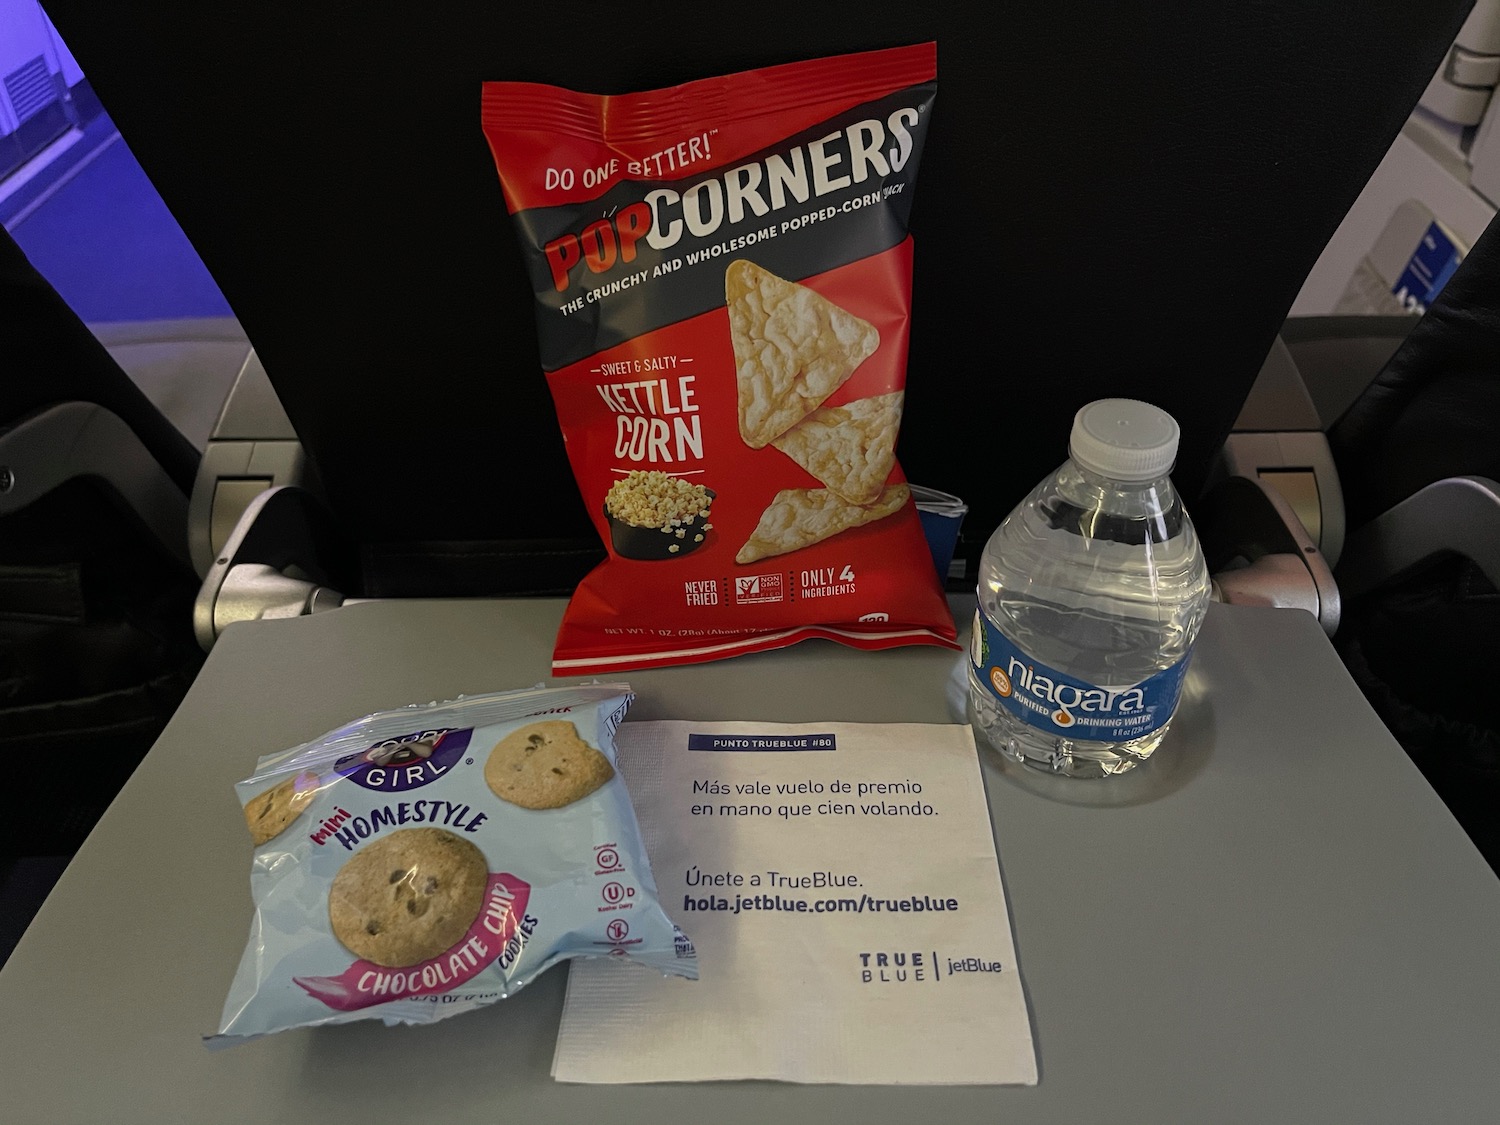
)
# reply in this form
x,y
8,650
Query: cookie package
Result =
x,y
722,274
421,862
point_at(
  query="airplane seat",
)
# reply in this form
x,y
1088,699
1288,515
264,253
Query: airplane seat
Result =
x,y
1127,212
1418,454
96,646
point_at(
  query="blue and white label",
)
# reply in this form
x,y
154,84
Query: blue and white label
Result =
x,y
762,742
1063,705
1432,263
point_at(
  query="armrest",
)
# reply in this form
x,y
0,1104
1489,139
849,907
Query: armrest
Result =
x,y
83,439
1339,356
252,447
1259,553
284,558
1278,441
1460,515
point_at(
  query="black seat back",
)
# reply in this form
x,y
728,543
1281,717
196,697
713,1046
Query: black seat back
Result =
x,y
1117,198
48,356
96,640
1421,644
1433,412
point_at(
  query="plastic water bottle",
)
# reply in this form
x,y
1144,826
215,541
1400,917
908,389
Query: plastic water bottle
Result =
x,y
1091,594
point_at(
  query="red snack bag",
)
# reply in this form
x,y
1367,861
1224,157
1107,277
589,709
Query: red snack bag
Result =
x,y
723,284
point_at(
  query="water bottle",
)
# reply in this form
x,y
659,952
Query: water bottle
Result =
x,y
1091,594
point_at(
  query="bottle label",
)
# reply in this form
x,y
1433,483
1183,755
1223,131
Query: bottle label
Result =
x,y
1066,706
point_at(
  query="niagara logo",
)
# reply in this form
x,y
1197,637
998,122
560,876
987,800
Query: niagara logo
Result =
x,y
1065,699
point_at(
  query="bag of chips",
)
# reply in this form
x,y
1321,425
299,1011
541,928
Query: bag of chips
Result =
x,y
422,862
723,282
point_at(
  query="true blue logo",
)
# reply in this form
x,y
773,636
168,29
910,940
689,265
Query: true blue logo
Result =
x,y
408,762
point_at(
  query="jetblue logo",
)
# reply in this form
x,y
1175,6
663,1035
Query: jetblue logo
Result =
x,y
919,967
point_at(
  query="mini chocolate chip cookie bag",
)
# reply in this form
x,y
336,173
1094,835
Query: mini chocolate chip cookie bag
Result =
x,y
722,274
422,862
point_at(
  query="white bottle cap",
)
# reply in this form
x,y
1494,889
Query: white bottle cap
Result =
x,y
1124,439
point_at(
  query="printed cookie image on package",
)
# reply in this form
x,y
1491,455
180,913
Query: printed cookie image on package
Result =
x,y
722,278
408,896
268,814
422,862
545,766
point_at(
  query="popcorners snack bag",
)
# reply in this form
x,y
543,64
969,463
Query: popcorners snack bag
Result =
x,y
723,282
423,862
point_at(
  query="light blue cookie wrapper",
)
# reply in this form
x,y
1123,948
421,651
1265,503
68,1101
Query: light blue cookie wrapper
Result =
x,y
567,882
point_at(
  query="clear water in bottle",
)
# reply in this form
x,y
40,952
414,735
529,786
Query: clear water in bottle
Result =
x,y
1091,594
